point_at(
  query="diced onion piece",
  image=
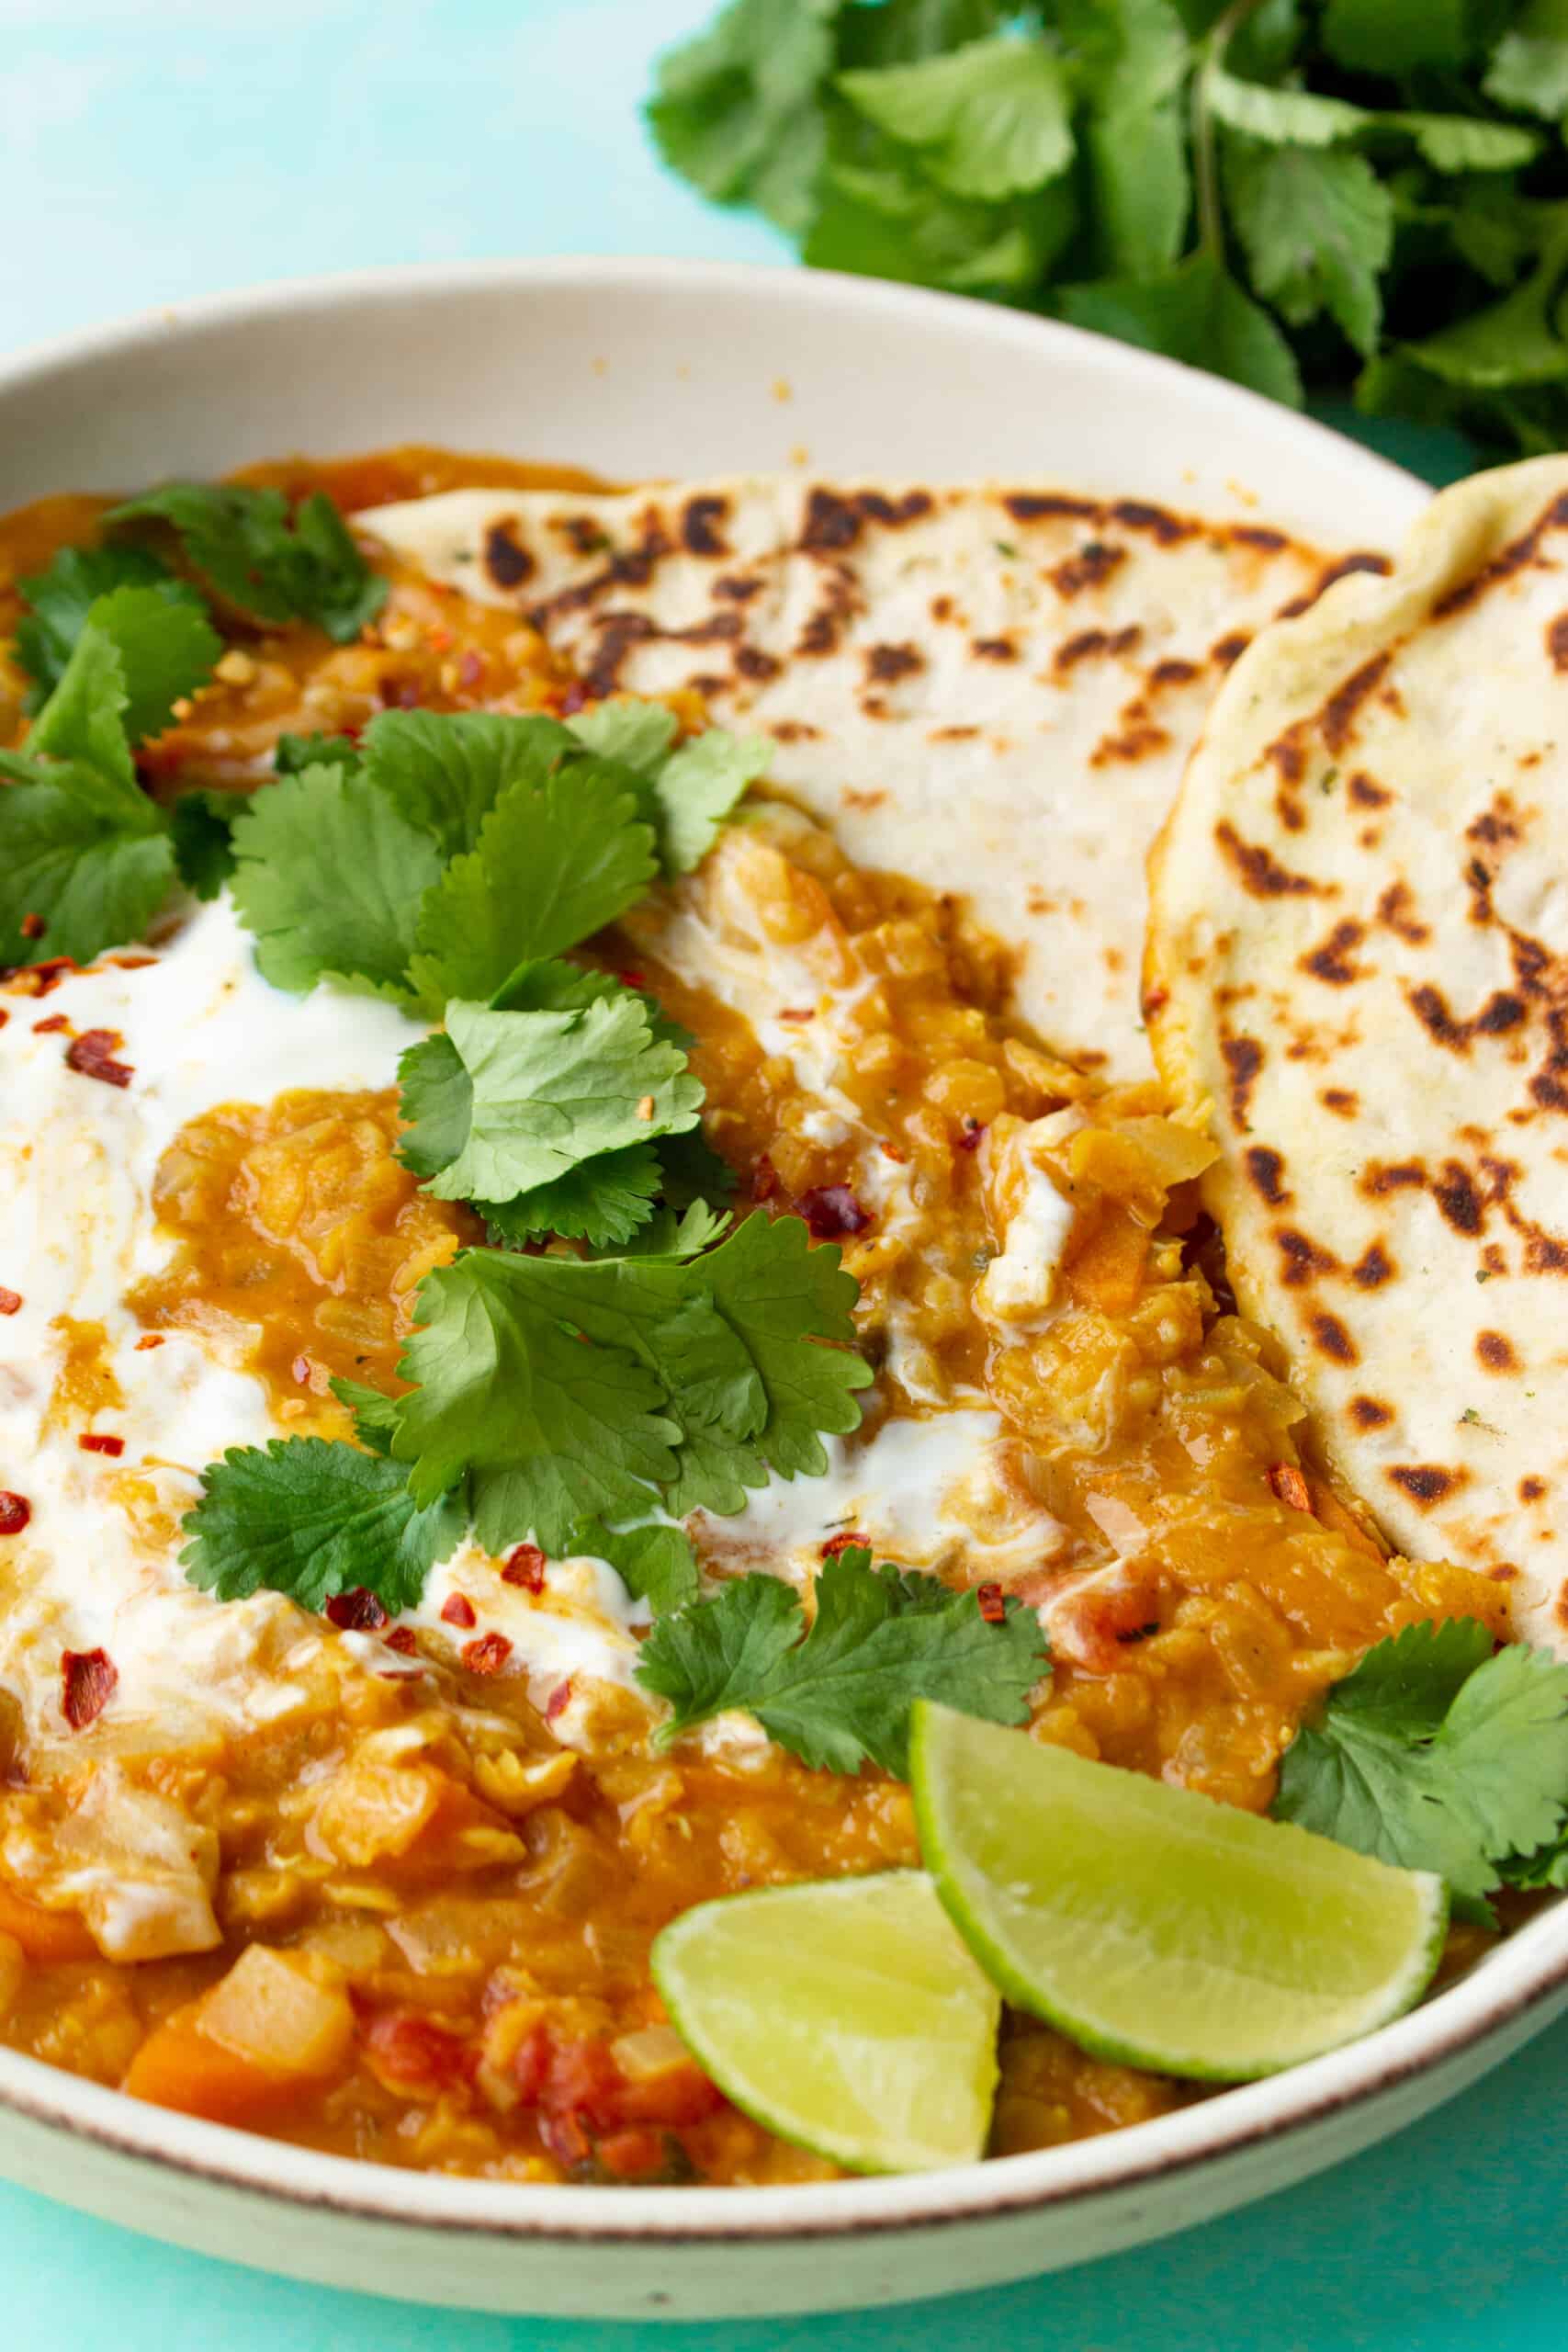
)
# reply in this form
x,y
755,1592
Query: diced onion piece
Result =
x,y
269,2009
652,2049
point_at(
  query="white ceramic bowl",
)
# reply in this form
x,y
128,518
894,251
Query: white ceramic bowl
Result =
x,y
639,368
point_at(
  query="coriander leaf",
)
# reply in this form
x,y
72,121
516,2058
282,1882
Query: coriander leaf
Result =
x,y
167,648
722,1653
292,753
267,562
1196,312
1516,341
201,825
1296,116
992,118
882,217
780,1297
553,862
330,879
83,850
655,1564
1317,229
555,1428
698,787
637,734
604,1202
1394,37
691,1170
1132,57
437,1102
1438,1756
552,1429
445,771
711,1370
311,1517
1452,143
375,1415
61,598
735,112
695,788
74,854
551,1090
1547,1866
1404,1687
841,1698
1530,65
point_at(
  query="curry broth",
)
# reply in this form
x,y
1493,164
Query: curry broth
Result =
x,y
466,1904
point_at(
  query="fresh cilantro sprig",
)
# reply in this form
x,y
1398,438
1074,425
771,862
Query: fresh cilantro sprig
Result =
x,y
567,1388
447,850
60,598
1369,197
312,1517
270,560
839,1694
1438,1755
542,1109
86,858
552,1394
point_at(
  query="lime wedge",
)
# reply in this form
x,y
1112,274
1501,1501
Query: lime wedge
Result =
x,y
844,2015
1155,1926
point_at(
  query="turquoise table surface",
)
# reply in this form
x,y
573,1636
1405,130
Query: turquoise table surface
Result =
x,y
153,149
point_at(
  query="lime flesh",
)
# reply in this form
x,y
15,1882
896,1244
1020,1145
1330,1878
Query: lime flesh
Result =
x,y
1154,1925
844,2015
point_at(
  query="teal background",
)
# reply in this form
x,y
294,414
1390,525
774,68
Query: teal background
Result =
x,y
155,150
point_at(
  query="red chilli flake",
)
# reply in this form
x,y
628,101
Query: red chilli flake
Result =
x,y
457,1610
525,1566
849,1538
970,1139
1286,1482
100,1441
558,1701
14,1512
33,926
149,1340
93,1054
487,1656
10,1301
87,1679
993,1608
832,1209
53,1020
357,1610
401,1639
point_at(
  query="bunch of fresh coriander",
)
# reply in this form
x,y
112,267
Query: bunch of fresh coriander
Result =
x,y
1316,198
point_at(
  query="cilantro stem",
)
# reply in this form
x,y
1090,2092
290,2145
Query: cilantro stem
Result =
x,y
1205,164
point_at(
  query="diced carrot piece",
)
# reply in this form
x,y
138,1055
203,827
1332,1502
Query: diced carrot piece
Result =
x,y
1108,1271
44,1936
180,2066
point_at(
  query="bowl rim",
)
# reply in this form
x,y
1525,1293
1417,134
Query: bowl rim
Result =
x,y
1518,1984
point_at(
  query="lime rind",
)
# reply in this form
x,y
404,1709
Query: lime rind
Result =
x,y
844,2015
1196,1940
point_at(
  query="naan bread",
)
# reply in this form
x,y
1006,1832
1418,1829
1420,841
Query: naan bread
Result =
x,y
1360,952
992,689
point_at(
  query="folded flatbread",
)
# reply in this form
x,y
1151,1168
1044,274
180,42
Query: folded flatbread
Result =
x,y
1359,953
992,689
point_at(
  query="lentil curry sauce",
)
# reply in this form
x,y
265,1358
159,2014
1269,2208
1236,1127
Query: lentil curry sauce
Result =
x,y
451,1900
